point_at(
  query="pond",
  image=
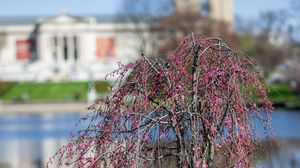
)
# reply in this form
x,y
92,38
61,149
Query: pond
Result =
x,y
29,140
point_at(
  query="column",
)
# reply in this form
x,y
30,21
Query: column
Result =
x,y
59,49
42,47
70,48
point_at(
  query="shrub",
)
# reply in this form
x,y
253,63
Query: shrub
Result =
x,y
102,86
5,87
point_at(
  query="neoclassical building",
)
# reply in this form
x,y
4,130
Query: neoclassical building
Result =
x,y
66,47
63,47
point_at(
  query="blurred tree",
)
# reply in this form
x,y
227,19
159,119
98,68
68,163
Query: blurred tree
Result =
x,y
286,22
247,43
273,23
164,25
295,12
270,56
294,27
265,54
275,43
269,41
143,14
288,72
179,24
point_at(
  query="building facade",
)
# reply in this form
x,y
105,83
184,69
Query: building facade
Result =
x,y
66,47
221,10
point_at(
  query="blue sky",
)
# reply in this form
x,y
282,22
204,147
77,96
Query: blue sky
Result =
x,y
244,8
252,8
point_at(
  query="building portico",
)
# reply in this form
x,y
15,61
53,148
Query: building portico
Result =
x,y
64,48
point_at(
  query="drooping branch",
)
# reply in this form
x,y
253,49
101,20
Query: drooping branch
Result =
x,y
183,111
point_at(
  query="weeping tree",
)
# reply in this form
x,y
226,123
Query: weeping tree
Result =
x,y
198,108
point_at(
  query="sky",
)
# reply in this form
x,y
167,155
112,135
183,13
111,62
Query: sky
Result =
x,y
252,8
243,8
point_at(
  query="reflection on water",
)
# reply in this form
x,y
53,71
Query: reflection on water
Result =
x,y
27,141
281,153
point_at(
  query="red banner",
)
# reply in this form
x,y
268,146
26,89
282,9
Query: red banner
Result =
x,y
105,47
23,49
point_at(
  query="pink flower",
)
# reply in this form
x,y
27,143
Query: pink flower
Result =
x,y
72,135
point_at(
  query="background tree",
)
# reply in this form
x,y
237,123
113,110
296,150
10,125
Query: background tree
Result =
x,y
176,26
196,109
288,72
269,42
163,26
143,16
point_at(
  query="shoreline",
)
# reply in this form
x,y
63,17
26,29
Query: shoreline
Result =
x,y
40,108
64,107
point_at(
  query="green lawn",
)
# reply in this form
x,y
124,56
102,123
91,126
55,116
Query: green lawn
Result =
x,y
77,91
49,91
5,87
282,94
69,91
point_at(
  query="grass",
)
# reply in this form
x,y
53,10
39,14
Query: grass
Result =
x,y
5,87
77,91
49,91
69,91
282,94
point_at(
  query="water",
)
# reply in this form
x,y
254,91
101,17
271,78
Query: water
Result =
x,y
286,123
36,127
285,151
29,140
